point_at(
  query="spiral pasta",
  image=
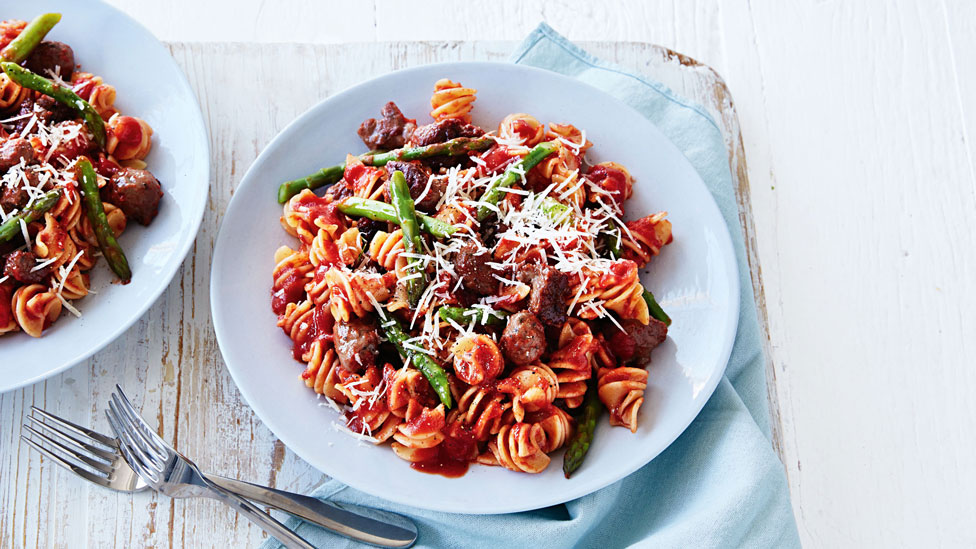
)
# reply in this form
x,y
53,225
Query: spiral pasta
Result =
x,y
116,221
571,136
127,137
452,100
645,237
68,209
622,391
477,359
386,249
618,290
521,129
533,388
35,308
610,183
407,392
573,362
519,447
305,213
562,169
75,284
320,372
558,426
52,243
417,439
481,410
365,181
11,93
348,293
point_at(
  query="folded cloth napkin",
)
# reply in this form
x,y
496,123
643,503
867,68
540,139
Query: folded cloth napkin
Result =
x,y
720,484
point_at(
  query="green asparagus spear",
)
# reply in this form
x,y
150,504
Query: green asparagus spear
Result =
x,y
581,440
330,175
435,375
612,237
11,227
61,94
96,215
28,39
463,316
407,218
655,308
494,192
381,211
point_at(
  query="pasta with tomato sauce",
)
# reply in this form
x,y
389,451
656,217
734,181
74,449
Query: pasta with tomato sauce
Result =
x,y
46,258
530,300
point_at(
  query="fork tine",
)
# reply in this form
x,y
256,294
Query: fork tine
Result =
x,y
80,456
125,444
133,414
138,429
145,448
78,429
68,438
99,480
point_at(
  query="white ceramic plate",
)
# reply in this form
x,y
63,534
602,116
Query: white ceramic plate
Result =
x,y
150,86
695,279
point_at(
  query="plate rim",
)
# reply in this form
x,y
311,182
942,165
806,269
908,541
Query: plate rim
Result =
x,y
195,221
486,508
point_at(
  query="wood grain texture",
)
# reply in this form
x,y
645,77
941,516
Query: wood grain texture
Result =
x,y
169,362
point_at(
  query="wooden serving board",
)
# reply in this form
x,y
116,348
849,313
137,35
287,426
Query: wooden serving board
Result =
x,y
169,363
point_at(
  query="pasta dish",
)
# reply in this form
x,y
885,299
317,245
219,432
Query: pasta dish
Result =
x,y
470,296
72,176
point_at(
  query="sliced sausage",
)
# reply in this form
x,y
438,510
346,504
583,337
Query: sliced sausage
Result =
x,y
136,192
13,151
524,338
19,266
444,130
636,342
14,195
357,343
417,176
471,264
53,111
391,131
547,297
55,57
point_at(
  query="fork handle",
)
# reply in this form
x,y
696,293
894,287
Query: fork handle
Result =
x,y
287,537
372,526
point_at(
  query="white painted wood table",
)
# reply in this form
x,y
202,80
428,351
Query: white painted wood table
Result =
x,y
857,120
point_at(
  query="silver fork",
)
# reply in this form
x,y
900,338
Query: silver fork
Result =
x,y
168,472
64,441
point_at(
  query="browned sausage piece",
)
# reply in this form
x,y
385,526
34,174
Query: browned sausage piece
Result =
x,y
471,264
136,192
55,57
549,289
391,131
19,267
12,151
637,341
417,176
357,343
444,130
14,196
524,338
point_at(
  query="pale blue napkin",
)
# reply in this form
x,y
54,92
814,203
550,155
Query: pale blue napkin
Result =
x,y
720,484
